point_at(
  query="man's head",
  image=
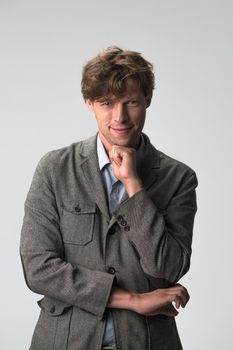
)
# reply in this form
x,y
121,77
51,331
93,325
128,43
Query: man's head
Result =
x,y
117,86
106,74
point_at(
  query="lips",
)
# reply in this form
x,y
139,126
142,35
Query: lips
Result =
x,y
122,130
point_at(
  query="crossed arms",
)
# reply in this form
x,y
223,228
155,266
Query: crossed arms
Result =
x,y
47,272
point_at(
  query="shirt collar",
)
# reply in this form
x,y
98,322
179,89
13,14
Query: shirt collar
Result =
x,y
102,155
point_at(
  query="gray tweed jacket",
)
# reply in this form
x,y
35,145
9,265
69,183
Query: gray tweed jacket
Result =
x,y
73,252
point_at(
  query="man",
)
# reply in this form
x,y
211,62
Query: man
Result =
x,y
108,224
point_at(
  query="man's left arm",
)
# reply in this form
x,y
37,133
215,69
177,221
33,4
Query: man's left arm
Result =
x,y
162,240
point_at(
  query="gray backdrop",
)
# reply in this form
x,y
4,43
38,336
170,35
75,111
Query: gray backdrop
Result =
x,y
44,45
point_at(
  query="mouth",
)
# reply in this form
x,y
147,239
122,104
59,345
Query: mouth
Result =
x,y
122,131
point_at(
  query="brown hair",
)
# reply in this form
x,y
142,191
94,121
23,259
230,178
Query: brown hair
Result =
x,y
106,74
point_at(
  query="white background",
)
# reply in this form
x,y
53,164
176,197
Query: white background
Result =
x,y
43,47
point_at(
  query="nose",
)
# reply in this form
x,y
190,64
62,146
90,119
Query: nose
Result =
x,y
119,113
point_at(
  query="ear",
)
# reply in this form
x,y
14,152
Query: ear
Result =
x,y
148,102
90,105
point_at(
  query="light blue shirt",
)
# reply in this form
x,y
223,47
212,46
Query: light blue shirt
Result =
x,y
114,190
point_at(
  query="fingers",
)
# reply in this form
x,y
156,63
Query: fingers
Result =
x,y
169,310
177,295
181,295
117,160
117,153
115,156
124,165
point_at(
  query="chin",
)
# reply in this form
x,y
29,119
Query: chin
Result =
x,y
125,143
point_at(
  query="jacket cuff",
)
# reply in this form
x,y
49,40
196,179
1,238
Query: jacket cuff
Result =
x,y
97,296
136,212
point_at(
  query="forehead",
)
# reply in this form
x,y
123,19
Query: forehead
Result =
x,y
131,90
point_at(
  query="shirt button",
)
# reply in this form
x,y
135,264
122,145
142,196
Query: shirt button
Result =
x,y
127,228
111,270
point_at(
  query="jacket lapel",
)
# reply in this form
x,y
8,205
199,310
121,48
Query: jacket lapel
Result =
x,y
91,173
149,164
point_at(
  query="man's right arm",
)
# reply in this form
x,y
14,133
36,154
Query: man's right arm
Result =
x,y
42,253
152,303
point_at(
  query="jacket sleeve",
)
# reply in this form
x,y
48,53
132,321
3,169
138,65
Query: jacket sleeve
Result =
x,y
41,248
162,239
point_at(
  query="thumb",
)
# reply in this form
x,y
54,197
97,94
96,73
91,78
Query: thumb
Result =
x,y
168,310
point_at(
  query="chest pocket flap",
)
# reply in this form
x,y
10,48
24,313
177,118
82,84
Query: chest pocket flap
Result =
x,y
77,222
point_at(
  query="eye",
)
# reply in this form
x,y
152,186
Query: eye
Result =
x,y
105,103
133,103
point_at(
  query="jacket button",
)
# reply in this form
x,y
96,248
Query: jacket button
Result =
x,y
52,310
77,209
123,222
120,218
111,270
126,228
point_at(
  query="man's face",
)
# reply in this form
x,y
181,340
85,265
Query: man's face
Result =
x,y
121,121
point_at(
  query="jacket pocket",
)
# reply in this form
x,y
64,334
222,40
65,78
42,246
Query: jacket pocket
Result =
x,y
52,328
77,222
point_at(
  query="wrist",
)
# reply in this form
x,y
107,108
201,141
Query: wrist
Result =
x,y
122,299
133,186
135,302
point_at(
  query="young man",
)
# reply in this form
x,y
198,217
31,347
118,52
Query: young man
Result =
x,y
108,224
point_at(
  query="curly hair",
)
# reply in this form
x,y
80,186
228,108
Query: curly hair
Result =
x,y
106,74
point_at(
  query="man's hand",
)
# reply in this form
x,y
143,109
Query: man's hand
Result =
x,y
152,303
124,167
160,301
